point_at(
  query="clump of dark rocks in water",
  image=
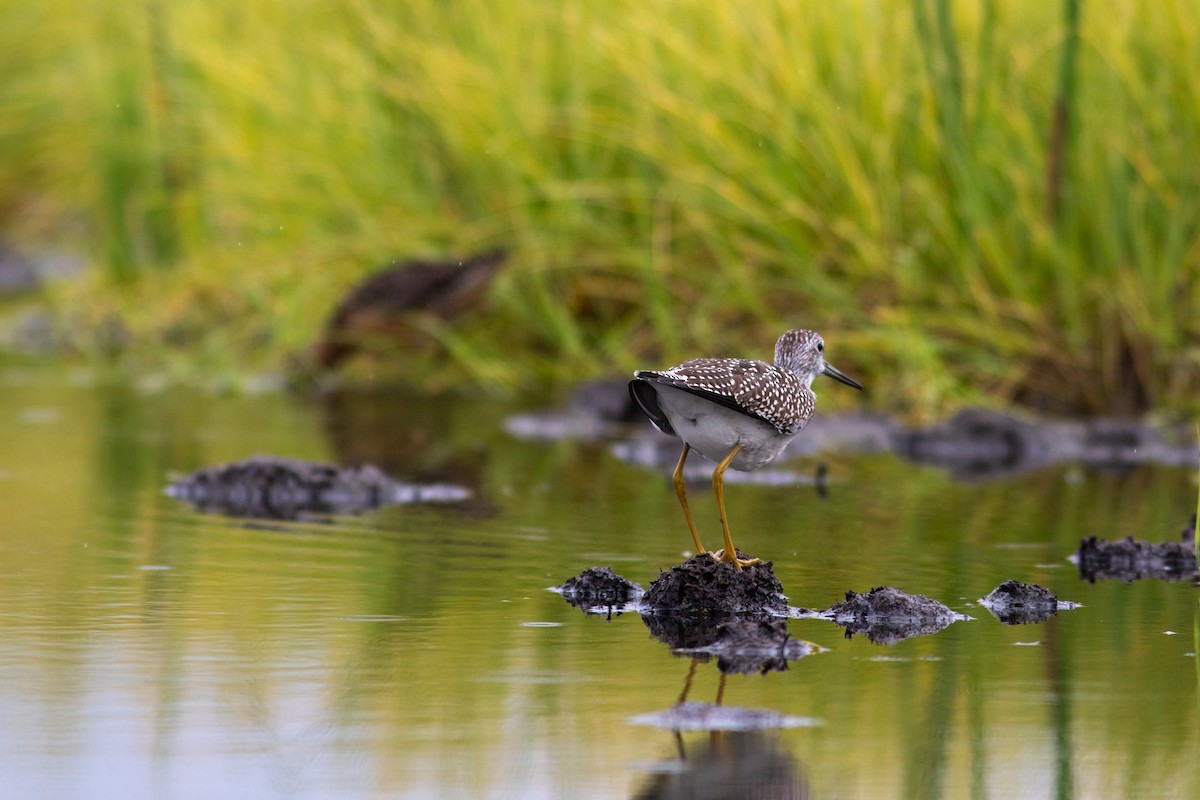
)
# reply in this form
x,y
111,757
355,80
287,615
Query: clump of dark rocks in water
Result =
x,y
1017,603
886,615
704,608
703,585
268,487
599,589
1132,559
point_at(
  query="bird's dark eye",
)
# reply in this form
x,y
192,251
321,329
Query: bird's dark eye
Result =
x,y
820,347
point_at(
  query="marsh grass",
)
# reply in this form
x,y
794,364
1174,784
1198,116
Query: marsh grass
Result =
x,y
672,178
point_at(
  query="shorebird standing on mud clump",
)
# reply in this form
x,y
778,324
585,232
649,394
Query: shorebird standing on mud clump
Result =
x,y
738,412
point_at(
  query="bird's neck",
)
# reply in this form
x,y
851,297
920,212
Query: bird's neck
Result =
x,y
805,378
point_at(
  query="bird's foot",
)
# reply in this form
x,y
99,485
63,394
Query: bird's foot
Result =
x,y
738,563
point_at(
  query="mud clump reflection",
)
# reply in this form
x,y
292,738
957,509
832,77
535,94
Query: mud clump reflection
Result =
x,y
1132,559
1017,603
886,615
267,487
703,585
742,645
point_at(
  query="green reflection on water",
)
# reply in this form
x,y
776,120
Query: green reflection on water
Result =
x,y
415,652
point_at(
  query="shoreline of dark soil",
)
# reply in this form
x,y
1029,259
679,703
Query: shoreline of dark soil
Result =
x,y
974,444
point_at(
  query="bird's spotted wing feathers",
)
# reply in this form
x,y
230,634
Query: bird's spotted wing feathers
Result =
x,y
754,388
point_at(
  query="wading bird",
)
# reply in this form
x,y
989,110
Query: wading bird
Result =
x,y
738,412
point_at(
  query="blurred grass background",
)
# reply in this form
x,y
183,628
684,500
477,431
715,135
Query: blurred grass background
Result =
x,y
986,202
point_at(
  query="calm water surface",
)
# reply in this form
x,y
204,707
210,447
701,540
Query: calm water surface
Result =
x,y
150,651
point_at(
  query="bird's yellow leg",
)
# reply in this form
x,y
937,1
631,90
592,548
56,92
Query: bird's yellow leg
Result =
x,y
716,739
687,684
681,493
728,554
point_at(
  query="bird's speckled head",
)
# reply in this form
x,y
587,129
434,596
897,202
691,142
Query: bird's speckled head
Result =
x,y
803,352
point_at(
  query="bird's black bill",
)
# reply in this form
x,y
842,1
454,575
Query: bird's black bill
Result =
x,y
838,375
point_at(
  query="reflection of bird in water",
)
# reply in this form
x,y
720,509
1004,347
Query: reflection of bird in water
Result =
x,y
378,311
739,413
732,765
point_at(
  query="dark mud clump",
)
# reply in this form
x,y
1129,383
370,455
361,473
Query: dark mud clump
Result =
x,y
973,444
597,409
979,444
377,314
886,615
743,641
268,487
600,589
606,399
703,585
1132,559
1017,603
